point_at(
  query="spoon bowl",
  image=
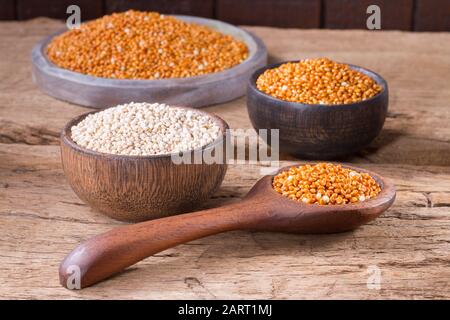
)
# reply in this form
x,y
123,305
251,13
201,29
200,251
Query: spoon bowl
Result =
x,y
262,209
287,215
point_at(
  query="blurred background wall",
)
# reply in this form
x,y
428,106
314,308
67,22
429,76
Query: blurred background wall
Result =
x,y
414,15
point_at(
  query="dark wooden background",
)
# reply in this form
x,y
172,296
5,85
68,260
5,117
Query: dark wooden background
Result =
x,y
416,15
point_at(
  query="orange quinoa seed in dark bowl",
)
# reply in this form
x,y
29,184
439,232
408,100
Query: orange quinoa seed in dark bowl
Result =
x,y
319,131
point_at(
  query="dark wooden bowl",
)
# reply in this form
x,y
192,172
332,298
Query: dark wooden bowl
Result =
x,y
138,188
319,131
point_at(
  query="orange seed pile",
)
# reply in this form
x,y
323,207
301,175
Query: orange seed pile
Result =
x,y
317,81
325,183
144,45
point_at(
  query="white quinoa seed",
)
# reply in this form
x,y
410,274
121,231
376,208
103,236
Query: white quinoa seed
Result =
x,y
141,129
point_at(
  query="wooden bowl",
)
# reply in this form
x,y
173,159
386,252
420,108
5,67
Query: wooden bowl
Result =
x,y
138,188
196,91
319,131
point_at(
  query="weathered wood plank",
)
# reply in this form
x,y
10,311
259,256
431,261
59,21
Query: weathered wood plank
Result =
x,y
275,13
409,243
432,15
201,8
27,9
8,10
351,14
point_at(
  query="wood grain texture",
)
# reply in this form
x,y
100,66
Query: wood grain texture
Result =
x,y
432,15
28,9
351,14
409,243
41,219
138,188
280,13
319,131
420,15
200,8
8,10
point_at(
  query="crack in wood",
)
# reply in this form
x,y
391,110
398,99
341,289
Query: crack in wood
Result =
x,y
229,196
74,203
195,284
441,205
59,219
331,288
11,132
167,255
429,200
23,170
397,115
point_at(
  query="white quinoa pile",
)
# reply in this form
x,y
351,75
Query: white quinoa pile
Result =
x,y
145,129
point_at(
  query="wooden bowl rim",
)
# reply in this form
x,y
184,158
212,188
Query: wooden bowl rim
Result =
x,y
387,193
251,41
66,138
297,105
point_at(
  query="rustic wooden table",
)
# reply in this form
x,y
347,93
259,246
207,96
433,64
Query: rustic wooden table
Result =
x,y
41,219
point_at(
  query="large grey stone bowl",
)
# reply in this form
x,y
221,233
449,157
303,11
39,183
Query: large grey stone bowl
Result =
x,y
196,91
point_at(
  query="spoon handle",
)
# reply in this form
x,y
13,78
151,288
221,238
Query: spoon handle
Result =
x,y
106,254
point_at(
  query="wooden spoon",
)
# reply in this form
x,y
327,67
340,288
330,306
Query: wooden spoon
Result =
x,y
262,209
